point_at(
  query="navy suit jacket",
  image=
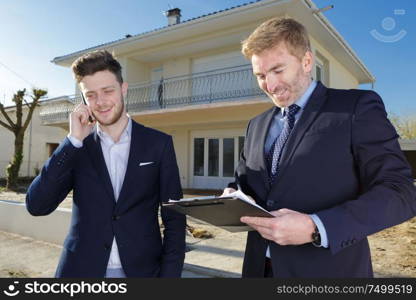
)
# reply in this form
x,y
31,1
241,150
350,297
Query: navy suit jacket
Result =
x,y
97,218
342,162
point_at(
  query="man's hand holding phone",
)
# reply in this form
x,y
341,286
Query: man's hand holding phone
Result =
x,y
79,122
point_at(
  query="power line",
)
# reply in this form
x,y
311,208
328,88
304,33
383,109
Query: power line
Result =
x,y
15,73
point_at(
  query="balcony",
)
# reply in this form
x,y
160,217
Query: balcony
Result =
x,y
230,84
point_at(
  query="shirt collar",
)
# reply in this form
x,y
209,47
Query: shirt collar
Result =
x,y
125,134
303,100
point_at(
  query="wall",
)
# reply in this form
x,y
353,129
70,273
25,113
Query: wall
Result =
x,y
339,76
134,71
180,138
52,228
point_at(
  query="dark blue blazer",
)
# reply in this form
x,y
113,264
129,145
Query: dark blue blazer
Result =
x,y
97,218
342,162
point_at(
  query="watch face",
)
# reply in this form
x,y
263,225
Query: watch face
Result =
x,y
316,237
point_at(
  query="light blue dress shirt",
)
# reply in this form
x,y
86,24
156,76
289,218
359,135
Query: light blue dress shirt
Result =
x,y
276,128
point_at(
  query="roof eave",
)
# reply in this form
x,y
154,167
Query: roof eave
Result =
x,y
367,76
331,29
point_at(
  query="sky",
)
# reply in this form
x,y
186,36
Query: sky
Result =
x,y
32,33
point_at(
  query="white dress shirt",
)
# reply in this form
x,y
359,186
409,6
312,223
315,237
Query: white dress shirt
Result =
x,y
116,156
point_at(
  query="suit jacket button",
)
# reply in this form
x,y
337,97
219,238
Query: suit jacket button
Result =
x,y
115,218
106,247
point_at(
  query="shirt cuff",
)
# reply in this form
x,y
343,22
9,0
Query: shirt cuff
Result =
x,y
75,142
322,231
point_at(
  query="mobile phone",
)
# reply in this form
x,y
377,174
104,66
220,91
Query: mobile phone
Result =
x,y
85,102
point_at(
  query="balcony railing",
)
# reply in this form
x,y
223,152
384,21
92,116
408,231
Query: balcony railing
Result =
x,y
230,84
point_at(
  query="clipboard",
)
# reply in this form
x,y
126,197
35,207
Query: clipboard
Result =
x,y
224,212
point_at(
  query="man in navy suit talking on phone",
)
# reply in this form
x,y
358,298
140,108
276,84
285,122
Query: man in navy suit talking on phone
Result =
x,y
120,172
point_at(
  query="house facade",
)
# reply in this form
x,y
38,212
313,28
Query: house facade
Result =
x,y
190,80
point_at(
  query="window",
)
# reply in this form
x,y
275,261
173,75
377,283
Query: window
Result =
x,y
199,157
228,157
213,157
51,148
240,145
319,72
216,157
321,69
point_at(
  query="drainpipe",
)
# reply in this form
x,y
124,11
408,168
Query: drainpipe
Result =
x,y
30,149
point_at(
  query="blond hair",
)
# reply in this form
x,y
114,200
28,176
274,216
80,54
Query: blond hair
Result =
x,y
275,31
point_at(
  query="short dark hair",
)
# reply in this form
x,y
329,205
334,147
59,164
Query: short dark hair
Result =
x,y
95,61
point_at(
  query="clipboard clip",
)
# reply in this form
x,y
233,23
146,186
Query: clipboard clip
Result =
x,y
192,204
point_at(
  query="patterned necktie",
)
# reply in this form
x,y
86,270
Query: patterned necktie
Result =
x,y
280,141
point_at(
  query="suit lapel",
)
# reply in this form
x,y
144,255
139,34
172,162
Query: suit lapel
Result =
x,y
95,152
263,131
135,152
309,115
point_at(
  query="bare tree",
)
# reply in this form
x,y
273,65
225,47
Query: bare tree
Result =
x,y
18,128
405,126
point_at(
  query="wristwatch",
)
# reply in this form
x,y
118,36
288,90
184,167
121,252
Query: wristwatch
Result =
x,y
316,238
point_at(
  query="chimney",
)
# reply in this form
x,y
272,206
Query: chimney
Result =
x,y
173,15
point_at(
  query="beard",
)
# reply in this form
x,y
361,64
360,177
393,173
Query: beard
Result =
x,y
296,88
117,114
